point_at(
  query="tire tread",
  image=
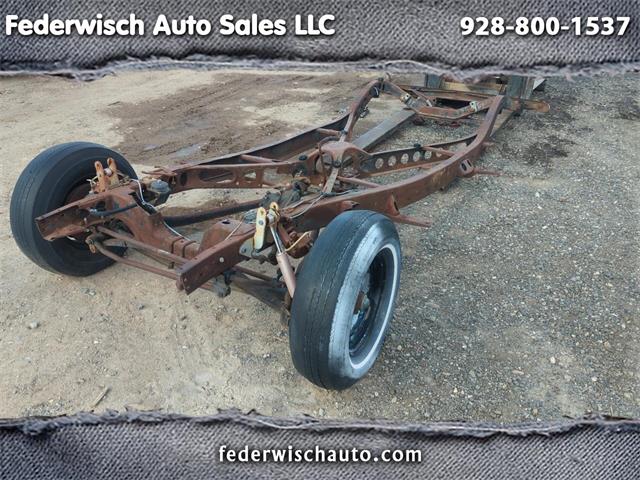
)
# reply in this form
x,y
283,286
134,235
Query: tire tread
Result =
x,y
317,288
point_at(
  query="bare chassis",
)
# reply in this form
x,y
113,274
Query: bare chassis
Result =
x,y
328,172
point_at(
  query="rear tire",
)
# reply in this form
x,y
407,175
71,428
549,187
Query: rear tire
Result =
x,y
52,179
344,299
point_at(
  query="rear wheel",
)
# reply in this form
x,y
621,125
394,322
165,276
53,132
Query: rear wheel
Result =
x,y
55,177
344,299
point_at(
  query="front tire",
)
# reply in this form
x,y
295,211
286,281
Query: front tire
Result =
x,y
55,177
344,299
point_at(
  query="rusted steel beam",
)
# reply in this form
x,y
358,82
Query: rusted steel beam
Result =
x,y
132,263
289,148
389,198
313,162
129,241
211,263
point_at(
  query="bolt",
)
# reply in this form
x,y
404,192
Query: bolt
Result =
x,y
221,260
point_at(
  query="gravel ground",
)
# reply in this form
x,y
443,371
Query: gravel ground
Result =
x,y
523,297
521,302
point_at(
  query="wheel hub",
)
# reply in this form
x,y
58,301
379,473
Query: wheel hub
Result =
x,y
360,319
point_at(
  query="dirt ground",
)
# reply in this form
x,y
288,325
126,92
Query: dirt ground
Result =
x,y
521,302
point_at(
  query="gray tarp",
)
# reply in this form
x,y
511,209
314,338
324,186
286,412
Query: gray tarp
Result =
x,y
392,33
157,445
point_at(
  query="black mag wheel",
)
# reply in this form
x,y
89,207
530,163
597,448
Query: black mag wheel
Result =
x,y
344,299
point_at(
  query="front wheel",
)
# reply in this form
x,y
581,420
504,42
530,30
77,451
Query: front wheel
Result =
x,y
58,176
344,299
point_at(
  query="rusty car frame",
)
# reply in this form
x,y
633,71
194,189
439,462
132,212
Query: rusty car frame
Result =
x,y
313,178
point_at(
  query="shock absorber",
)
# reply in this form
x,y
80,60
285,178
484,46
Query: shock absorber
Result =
x,y
282,257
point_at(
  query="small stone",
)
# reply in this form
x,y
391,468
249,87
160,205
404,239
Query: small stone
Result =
x,y
594,379
33,325
141,306
553,360
534,412
399,347
203,379
266,355
90,292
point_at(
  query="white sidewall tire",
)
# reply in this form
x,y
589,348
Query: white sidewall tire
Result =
x,y
328,285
